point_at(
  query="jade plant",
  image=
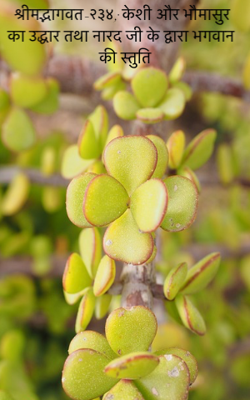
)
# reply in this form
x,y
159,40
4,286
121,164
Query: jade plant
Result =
x,y
124,188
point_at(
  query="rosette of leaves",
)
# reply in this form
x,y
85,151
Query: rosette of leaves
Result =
x,y
89,277
183,159
120,367
86,155
131,199
154,97
182,282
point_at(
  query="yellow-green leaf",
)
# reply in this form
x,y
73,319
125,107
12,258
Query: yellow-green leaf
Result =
x,y
91,340
123,324
148,204
115,132
240,15
73,164
177,71
174,281
131,160
83,377
18,132
132,366
16,195
107,80
176,146
149,86
123,390
150,115
100,121
50,103
225,163
125,105
74,199
90,249
173,103
123,241
88,144
102,305
182,204
27,91
105,276
75,276
85,311
162,159
190,316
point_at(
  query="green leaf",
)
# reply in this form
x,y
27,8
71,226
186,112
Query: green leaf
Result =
x,y
175,280
123,324
162,152
131,160
132,366
173,103
149,86
123,390
4,105
25,56
176,146
74,199
97,168
105,200
185,89
75,276
105,276
18,133
123,241
200,149
187,357
150,115
201,274
225,163
182,204
90,249
190,316
83,377
74,298
102,305
149,204
178,70
100,121
88,144
240,15
170,380
188,173
115,132
110,92
85,311
27,91
107,80
50,103
125,105
91,340
73,164
16,195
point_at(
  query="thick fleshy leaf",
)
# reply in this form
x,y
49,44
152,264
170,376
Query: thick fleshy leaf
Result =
x,y
74,298
176,146
85,311
131,160
173,103
83,377
225,163
110,92
26,56
174,281
190,316
105,276
100,121
200,149
123,324
123,390
132,366
27,91
149,86
178,70
187,357
125,105
162,152
185,89
97,168
150,115
73,164
4,105
50,103
102,305
90,245
75,276
74,199
115,132
182,204
123,241
107,80
190,174
105,200
201,274
91,340
18,132
148,204
16,195
170,380
88,144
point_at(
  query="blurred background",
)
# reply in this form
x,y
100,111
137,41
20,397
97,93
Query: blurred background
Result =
x,y
36,323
